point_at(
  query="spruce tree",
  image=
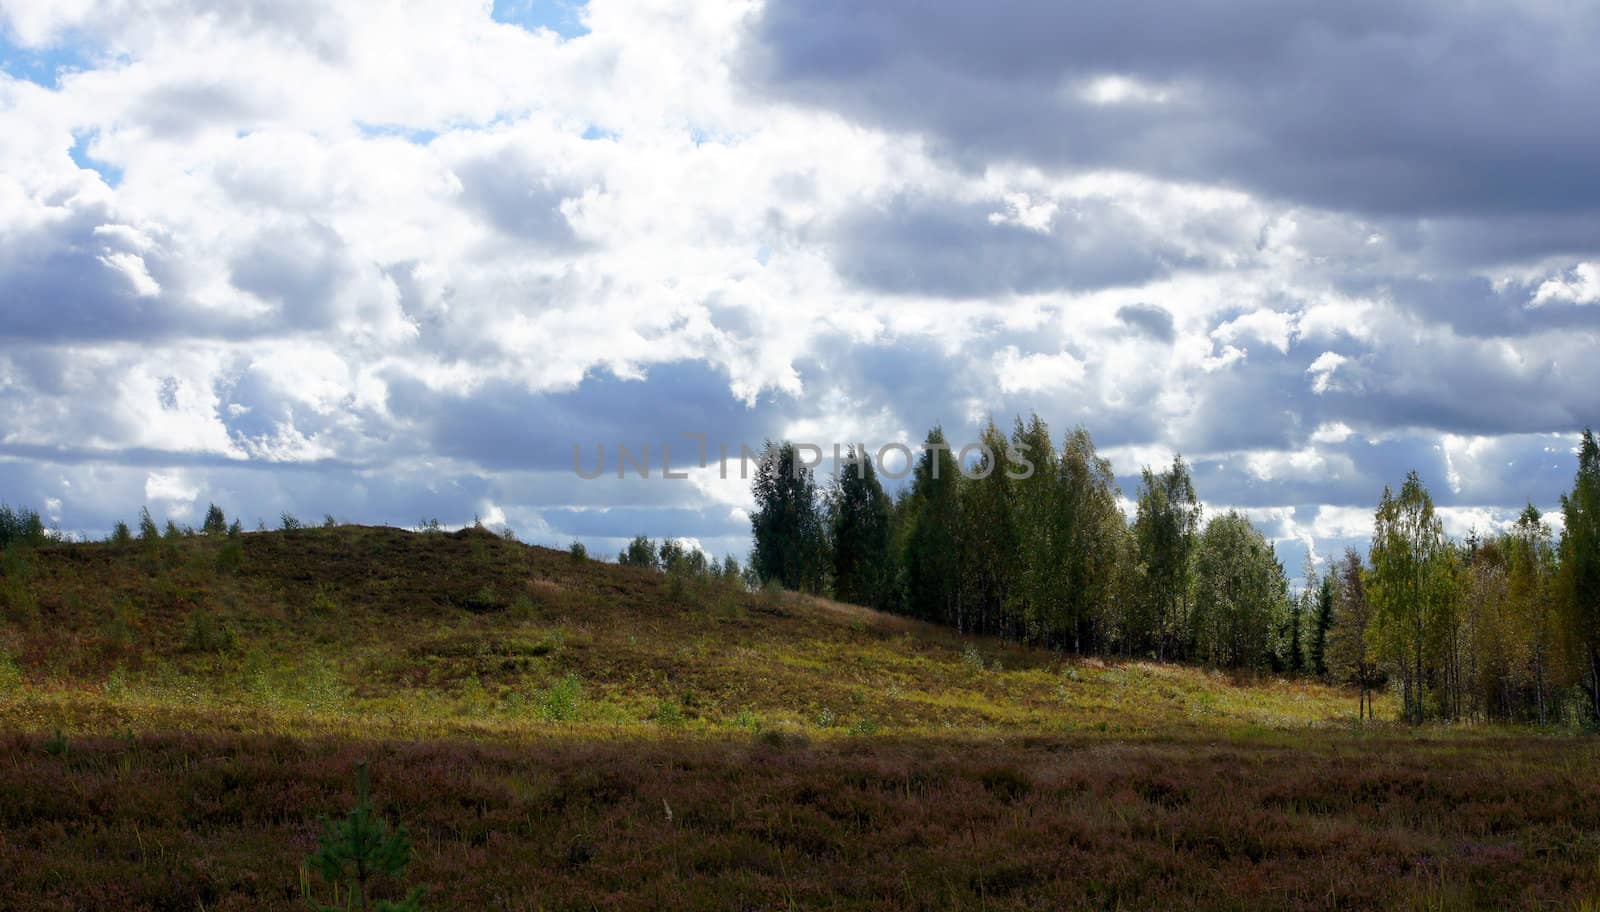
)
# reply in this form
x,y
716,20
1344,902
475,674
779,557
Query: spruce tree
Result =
x,y
1580,558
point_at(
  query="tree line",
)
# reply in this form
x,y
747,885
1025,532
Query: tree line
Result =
x,y
1029,542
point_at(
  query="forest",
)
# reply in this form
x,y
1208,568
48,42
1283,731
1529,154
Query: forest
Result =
x,y
1503,625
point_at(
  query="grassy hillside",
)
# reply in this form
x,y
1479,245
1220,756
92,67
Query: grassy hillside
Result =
x,y
566,734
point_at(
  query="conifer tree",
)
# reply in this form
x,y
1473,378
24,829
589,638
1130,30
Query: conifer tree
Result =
x,y
361,851
1580,559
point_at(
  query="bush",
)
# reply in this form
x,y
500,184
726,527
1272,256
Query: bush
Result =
x,y
288,522
21,526
668,713
10,674
322,602
230,557
215,523
562,700
578,551
148,533
641,552
208,634
359,851
121,534
864,727
972,658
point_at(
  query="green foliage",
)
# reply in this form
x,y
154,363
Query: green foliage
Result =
x,y
10,674
361,853
562,701
21,527
215,522
1580,564
933,542
230,557
1164,531
1239,595
859,520
1410,586
668,713
641,553
1321,622
990,555
209,634
288,522
148,533
578,551
790,539
120,534
864,728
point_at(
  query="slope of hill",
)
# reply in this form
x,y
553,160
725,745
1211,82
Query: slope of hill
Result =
x,y
573,734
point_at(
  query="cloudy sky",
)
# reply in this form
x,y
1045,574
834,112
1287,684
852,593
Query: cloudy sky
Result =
x,y
394,260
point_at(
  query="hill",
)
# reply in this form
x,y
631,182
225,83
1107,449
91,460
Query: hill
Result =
x,y
563,733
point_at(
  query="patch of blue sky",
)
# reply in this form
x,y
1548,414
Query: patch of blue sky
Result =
x,y
564,17
81,157
43,66
409,134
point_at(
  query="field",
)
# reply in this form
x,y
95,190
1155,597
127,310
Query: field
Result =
x,y
178,718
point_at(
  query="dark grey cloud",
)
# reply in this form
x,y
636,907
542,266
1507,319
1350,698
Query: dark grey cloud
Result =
x,y
1153,320
1414,109
503,425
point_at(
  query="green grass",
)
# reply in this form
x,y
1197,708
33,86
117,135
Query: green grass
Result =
x,y
533,719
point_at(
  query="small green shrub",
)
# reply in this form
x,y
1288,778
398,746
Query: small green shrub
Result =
x,y
522,607
562,700
230,557
288,522
579,552
826,718
322,602
358,853
215,523
148,533
972,658
781,739
321,689
669,713
207,633
864,727
10,674
121,534
748,721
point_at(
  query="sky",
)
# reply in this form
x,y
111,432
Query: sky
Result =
x,y
394,261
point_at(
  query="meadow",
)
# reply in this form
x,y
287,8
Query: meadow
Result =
x,y
179,716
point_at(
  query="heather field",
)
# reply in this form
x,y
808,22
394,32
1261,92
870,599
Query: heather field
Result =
x,y
179,717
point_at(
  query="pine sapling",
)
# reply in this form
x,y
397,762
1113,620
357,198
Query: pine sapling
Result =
x,y
358,850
